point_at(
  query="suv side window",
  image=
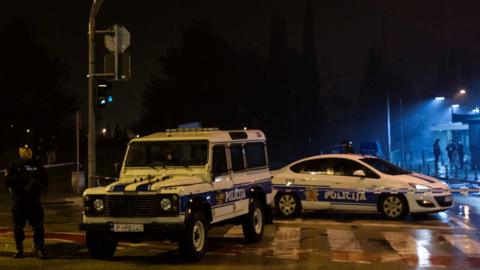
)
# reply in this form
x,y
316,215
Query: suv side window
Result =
x,y
236,154
255,155
346,167
316,166
219,160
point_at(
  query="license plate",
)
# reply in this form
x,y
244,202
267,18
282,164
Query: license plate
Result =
x,y
128,227
448,198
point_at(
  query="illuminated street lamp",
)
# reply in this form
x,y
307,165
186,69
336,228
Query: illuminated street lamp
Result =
x,y
454,105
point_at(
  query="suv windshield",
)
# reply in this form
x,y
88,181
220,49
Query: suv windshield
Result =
x,y
167,153
384,166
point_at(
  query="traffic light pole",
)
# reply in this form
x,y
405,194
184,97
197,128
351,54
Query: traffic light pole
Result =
x,y
91,93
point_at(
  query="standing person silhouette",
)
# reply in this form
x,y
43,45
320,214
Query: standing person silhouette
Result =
x,y
26,179
461,153
437,152
451,152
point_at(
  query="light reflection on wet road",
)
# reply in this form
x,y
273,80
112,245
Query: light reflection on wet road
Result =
x,y
317,240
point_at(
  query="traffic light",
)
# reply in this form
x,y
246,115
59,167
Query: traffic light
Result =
x,y
103,98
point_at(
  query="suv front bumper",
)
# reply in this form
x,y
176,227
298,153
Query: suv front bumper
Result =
x,y
150,231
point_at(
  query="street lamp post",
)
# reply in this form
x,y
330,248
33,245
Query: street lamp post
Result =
x,y
454,105
91,94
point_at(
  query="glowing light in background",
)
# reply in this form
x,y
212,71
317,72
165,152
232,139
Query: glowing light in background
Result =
x,y
466,214
455,106
463,91
439,98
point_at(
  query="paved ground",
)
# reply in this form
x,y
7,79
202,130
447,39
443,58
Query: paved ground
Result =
x,y
316,240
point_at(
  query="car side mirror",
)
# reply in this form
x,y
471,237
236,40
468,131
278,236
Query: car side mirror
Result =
x,y
359,173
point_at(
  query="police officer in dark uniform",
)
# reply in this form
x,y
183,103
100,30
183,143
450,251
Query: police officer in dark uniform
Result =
x,y
347,146
26,179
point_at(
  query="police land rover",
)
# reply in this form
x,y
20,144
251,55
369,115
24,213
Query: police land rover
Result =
x,y
175,185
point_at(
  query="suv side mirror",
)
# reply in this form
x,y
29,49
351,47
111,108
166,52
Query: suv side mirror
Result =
x,y
359,173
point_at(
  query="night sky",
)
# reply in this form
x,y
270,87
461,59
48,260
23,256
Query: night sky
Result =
x,y
413,34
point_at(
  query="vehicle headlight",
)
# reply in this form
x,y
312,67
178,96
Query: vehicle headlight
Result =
x,y
419,187
98,205
166,204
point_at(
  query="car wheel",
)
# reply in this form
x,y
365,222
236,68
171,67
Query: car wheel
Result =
x,y
394,206
288,205
195,238
99,246
254,222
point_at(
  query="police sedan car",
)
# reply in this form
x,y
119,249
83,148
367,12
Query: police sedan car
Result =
x,y
356,183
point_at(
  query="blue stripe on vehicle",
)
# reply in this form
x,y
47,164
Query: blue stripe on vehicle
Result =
x,y
337,195
217,198
362,204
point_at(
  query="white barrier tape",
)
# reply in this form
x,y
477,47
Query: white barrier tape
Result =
x,y
59,164
381,190
51,165
105,178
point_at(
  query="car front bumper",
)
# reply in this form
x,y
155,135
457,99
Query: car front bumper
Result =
x,y
429,202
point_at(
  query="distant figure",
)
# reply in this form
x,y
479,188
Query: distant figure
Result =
x,y
51,150
461,153
347,146
451,152
437,152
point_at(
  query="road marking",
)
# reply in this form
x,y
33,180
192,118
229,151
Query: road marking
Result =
x,y
459,222
286,242
234,232
405,244
382,224
343,240
464,243
402,242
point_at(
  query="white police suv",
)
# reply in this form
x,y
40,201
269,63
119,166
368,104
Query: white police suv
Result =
x,y
356,183
176,184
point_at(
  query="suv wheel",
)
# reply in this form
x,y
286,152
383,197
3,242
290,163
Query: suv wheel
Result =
x,y
288,205
194,241
394,206
99,246
254,222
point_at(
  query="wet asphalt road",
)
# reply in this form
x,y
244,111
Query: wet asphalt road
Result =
x,y
316,240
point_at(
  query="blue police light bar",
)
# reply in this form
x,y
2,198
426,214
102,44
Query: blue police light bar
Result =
x,y
109,99
439,98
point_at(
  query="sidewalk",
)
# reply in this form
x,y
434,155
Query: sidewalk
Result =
x,y
457,176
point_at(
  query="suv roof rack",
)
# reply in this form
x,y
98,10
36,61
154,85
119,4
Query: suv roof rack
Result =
x,y
190,130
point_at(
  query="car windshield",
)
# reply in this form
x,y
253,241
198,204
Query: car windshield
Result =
x,y
384,166
167,153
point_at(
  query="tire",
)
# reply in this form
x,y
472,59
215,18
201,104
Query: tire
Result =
x,y
99,246
288,205
194,241
394,206
254,222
